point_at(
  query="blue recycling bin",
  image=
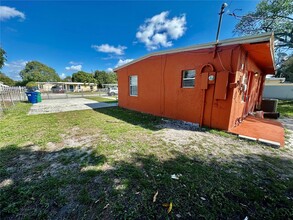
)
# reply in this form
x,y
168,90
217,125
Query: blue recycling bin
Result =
x,y
32,97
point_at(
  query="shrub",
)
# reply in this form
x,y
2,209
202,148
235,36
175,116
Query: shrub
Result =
x,y
32,86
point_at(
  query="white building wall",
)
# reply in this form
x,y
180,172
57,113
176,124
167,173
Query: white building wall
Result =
x,y
279,91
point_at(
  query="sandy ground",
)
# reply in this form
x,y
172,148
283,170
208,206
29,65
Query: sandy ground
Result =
x,y
65,105
189,137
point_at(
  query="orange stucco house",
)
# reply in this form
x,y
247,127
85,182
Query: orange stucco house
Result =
x,y
215,85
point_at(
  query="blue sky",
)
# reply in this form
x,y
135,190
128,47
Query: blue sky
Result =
x,y
99,35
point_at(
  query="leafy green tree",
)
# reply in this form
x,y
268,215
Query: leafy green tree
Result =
x,y
31,86
20,83
38,72
103,77
270,15
286,70
6,80
83,77
67,79
2,57
112,77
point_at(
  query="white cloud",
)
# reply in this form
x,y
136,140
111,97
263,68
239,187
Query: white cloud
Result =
x,y
74,63
106,48
13,68
8,12
62,75
159,31
109,70
74,68
122,62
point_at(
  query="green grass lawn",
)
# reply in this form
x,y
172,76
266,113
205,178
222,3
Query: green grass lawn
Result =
x,y
285,107
102,99
109,163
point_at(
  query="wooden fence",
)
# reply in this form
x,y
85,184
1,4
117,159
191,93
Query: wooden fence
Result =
x,y
9,96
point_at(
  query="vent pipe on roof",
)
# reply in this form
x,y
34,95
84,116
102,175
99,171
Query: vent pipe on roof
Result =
x,y
224,5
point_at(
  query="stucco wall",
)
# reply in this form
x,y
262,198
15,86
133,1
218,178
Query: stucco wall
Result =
x,y
160,91
281,91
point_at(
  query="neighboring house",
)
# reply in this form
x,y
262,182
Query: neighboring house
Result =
x,y
214,85
277,88
67,86
2,86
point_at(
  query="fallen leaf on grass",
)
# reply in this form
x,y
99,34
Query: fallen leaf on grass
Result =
x,y
176,176
155,196
106,206
169,206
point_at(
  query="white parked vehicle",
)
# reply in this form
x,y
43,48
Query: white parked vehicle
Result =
x,y
113,91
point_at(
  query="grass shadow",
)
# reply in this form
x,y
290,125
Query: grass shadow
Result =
x,y
146,121
74,183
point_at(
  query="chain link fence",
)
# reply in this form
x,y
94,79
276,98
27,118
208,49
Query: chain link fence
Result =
x,y
66,94
9,96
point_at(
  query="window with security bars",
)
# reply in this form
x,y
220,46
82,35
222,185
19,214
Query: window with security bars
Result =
x,y
133,86
188,78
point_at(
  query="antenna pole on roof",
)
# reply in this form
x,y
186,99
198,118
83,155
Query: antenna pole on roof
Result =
x,y
224,5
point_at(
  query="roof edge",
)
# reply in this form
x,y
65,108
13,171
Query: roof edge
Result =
x,y
231,41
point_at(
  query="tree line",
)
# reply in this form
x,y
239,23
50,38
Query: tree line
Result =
x,y
35,71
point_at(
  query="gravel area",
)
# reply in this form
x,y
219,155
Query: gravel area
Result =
x,y
65,105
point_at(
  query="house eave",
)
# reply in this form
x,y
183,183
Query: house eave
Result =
x,y
266,37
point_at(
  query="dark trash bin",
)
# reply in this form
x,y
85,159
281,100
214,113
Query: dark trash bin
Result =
x,y
269,105
32,97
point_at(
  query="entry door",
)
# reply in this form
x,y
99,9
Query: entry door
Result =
x,y
251,93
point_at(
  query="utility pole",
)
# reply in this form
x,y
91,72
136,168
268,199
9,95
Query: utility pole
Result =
x,y
224,5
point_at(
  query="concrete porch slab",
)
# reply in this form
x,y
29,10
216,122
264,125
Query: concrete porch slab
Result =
x,y
65,105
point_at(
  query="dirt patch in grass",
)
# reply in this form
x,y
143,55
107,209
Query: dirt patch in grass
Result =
x,y
75,137
216,146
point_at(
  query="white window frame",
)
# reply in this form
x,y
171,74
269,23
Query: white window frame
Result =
x,y
130,86
182,80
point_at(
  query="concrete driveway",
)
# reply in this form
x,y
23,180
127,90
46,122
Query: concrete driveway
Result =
x,y
65,105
